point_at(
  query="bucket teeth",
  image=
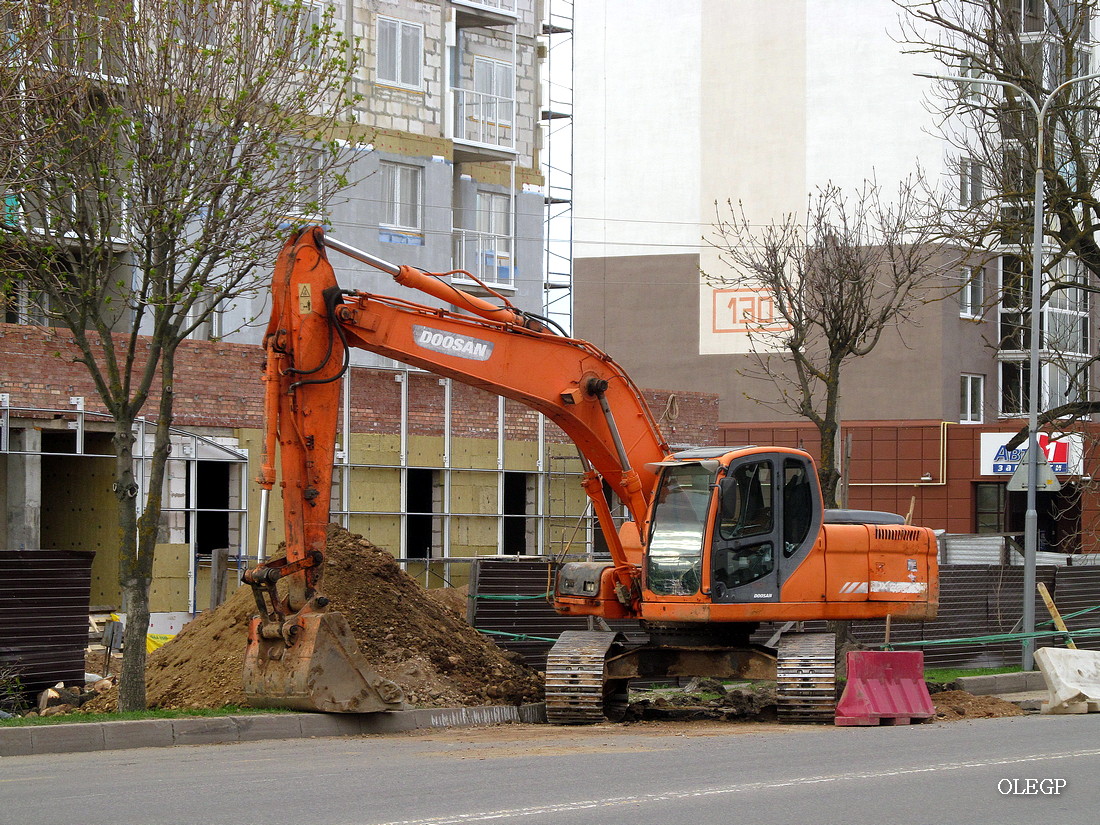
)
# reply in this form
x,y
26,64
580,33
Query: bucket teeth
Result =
x,y
321,669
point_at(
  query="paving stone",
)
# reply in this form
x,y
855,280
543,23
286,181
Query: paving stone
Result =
x,y
205,730
269,726
141,733
392,722
70,738
331,724
16,742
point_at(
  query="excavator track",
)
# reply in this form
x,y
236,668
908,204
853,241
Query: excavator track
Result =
x,y
806,677
577,691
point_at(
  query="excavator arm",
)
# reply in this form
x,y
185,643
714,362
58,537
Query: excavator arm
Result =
x,y
313,327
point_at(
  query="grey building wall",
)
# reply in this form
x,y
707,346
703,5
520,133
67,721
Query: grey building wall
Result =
x,y
644,311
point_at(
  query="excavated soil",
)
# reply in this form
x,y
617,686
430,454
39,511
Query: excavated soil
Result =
x,y
956,705
414,639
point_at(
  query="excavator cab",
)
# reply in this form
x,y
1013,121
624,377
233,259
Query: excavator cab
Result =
x,y
747,523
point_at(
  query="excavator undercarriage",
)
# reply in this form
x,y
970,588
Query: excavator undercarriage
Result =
x,y
588,673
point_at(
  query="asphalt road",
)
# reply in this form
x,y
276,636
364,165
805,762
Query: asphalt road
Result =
x,y
1034,769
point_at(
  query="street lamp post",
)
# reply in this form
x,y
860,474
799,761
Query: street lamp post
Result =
x,y
1031,517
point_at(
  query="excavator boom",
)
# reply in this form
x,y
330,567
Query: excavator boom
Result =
x,y
313,326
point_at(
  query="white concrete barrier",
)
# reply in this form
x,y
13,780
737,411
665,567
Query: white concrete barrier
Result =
x,y
1072,677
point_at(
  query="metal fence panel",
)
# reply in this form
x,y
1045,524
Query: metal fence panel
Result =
x,y
1076,589
975,600
44,615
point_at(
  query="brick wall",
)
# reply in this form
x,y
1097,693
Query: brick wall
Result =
x,y
218,385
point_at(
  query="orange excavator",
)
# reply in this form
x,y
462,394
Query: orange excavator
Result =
x,y
717,540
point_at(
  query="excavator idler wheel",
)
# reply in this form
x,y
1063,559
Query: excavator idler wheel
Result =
x,y
805,689
577,690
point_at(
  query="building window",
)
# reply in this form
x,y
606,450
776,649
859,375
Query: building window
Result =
x,y
971,399
494,83
494,215
972,294
400,53
300,170
494,229
1066,313
1015,317
1059,384
968,67
989,507
296,28
1014,387
401,196
970,183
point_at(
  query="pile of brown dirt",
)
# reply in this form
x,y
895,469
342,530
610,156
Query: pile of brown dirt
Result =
x,y
955,705
437,658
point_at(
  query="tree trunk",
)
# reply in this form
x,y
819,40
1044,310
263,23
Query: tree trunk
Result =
x,y
134,572
138,537
827,470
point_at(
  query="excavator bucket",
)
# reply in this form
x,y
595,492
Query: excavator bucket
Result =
x,y
319,669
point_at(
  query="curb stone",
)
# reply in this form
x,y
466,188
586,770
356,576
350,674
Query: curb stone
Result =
x,y
33,740
1001,683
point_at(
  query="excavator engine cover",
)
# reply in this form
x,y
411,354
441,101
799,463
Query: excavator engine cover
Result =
x,y
320,668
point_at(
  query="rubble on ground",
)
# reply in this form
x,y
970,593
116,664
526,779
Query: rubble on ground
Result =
x,y
706,699
408,637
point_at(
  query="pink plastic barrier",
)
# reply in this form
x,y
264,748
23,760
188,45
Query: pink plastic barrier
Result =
x,y
885,688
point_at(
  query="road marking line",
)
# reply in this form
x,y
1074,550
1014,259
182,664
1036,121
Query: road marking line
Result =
x,y
668,796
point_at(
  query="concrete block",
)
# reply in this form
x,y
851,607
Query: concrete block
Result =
x,y
269,726
331,724
143,733
1072,679
1033,680
69,738
205,730
16,742
993,684
533,714
462,717
390,722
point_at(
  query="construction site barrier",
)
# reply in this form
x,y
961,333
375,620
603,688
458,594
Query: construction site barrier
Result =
x,y
885,687
1072,677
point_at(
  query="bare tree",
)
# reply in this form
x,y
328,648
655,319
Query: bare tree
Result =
x,y
852,268
149,153
1036,45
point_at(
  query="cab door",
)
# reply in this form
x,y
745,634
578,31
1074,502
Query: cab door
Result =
x,y
768,518
747,535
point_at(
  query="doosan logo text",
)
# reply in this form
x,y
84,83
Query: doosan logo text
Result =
x,y
449,343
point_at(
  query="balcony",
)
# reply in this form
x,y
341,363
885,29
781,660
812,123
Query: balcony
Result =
x,y
486,256
484,13
483,126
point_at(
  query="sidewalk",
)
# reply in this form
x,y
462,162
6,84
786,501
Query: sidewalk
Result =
x,y
212,730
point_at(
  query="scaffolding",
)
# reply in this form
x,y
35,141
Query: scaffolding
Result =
x,y
556,122
536,518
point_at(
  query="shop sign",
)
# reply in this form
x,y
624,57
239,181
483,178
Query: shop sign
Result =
x,y
1062,450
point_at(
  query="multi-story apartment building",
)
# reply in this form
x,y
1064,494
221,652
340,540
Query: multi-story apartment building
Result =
x,y
436,472
760,105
